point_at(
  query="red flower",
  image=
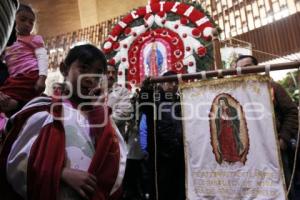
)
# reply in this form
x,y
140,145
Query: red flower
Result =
x,y
135,49
116,45
133,60
161,14
132,71
120,73
202,51
141,11
107,45
127,31
196,32
147,16
111,62
184,21
141,40
165,33
177,53
175,41
178,66
133,82
128,86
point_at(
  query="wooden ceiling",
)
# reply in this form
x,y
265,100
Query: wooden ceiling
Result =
x,y
56,17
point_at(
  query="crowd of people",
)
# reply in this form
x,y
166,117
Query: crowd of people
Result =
x,y
94,139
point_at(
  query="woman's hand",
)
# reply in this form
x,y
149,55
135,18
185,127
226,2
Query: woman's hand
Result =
x,y
40,84
82,182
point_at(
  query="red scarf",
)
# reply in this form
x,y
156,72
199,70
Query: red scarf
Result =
x,y
46,160
21,87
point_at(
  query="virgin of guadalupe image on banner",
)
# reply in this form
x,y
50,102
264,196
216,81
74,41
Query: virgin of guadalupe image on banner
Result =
x,y
228,129
230,140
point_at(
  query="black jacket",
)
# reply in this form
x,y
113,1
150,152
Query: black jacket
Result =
x,y
168,126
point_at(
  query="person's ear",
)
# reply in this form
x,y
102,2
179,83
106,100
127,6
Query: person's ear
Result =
x,y
63,69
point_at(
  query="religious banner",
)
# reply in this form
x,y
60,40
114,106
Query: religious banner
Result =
x,y
230,140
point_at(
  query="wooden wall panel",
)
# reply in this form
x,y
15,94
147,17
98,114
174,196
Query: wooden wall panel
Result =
x,y
280,38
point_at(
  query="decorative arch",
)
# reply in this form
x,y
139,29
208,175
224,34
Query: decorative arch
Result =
x,y
179,31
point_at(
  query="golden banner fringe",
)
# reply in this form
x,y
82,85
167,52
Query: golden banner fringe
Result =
x,y
232,82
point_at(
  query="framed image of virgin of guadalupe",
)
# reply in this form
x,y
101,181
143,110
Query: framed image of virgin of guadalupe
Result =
x,y
231,144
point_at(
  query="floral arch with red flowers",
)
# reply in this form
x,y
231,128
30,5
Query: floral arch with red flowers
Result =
x,y
162,36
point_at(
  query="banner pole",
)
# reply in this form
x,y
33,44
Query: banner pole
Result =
x,y
226,72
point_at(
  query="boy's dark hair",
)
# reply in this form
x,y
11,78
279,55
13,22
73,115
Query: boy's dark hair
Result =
x,y
254,60
169,73
26,8
86,54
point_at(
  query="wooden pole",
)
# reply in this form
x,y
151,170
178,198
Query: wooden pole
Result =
x,y
218,73
217,53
